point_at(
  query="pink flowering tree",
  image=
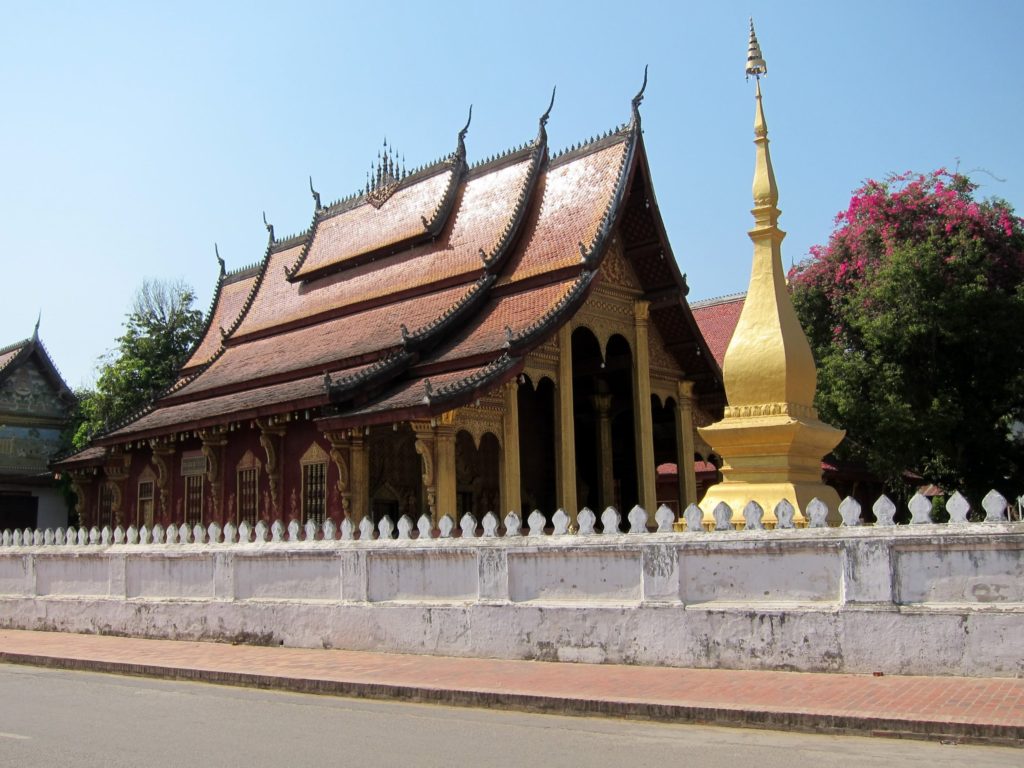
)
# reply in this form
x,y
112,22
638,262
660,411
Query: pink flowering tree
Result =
x,y
915,312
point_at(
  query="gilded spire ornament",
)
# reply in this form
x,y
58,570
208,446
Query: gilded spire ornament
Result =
x,y
770,440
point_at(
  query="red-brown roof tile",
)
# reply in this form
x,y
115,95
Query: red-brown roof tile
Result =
x,y
717,320
486,205
231,298
576,194
516,312
250,403
324,344
8,354
364,228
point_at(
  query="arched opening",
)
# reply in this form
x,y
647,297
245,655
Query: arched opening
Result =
x,y
664,417
619,375
591,404
536,402
396,473
476,474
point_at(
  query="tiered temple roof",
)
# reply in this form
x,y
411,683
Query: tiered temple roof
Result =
x,y
426,289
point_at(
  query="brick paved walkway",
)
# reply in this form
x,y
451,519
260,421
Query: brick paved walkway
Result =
x,y
971,709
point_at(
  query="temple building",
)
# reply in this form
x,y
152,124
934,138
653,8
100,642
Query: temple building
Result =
x,y
504,336
35,406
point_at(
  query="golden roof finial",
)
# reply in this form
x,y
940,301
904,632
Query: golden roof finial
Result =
x,y
756,65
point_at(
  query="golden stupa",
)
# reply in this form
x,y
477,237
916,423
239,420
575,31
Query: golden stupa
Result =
x,y
770,439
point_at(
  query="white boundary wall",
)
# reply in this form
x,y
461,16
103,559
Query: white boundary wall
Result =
x,y
916,599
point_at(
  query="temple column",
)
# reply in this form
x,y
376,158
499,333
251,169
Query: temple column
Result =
x,y
214,441
511,492
606,474
359,487
340,455
424,446
116,471
685,474
565,428
642,422
271,436
161,459
81,483
444,453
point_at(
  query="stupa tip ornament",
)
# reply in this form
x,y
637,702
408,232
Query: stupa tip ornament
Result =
x,y
756,65
771,441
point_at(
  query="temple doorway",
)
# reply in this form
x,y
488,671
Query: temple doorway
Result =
x,y
476,474
396,475
536,403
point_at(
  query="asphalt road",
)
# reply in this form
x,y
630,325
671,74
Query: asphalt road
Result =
x,y
53,718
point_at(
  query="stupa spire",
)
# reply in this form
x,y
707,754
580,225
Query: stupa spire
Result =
x,y
770,439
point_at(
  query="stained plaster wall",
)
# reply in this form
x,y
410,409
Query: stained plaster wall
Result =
x,y
922,600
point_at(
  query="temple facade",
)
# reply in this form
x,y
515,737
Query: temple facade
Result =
x,y
35,406
504,336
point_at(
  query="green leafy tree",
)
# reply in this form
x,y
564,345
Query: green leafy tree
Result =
x,y
160,330
915,312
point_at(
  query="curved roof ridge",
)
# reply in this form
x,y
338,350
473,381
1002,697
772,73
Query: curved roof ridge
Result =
x,y
592,254
431,332
501,249
385,366
521,341
479,378
622,130
251,297
210,314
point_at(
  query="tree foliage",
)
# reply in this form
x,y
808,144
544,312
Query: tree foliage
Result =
x,y
915,312
159,331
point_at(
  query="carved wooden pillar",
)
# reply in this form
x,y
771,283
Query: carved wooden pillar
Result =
x,y
511,490
642,421
161,459
686,475
81,483
444,454
340,455
271,437
116,471
425,448
214,441
565,428
606,474
359,487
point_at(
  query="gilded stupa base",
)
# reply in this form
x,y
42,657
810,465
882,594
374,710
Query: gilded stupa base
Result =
x,y
767,459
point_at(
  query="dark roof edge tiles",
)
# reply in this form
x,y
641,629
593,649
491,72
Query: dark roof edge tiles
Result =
x,y
592,254
521,342
729,298
677,275
184,382
456,162
437,401
386,366
471,383
210,313
92,455
431,333
498,254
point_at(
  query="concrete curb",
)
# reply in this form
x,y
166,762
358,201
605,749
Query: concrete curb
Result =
x,y
891,727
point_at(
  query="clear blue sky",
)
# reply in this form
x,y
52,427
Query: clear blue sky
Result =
x,y
135,135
